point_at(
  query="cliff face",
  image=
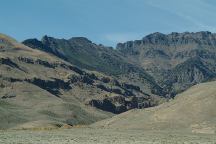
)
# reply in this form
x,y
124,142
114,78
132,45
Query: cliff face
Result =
x,y
176,60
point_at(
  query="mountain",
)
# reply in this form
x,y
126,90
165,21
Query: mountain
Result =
x,y
192,110
40,89
160,64
177,60
58,82
83,53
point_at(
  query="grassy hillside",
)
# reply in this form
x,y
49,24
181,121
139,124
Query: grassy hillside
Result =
x,y
192,110
85,54
36,89
40,89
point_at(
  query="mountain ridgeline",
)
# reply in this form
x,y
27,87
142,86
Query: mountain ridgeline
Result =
x,y
59,82
159,64
177,60
39,89
83,53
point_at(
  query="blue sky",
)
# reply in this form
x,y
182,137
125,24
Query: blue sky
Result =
x,y
104,21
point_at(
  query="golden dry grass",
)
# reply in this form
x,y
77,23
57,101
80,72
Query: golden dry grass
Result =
x,y
102,136
193,110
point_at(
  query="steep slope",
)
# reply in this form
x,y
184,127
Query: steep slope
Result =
x,y
192,110
186,74
35,86
85,54
174,56
156,64
42,90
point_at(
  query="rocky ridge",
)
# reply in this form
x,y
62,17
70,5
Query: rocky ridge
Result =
x,y
177,60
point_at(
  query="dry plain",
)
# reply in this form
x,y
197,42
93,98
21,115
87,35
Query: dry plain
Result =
x,y
103,136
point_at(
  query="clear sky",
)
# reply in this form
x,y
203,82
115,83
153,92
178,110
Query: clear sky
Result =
x,y
104,21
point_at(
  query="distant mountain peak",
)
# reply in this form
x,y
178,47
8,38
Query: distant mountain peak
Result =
x,y
156,34
80,39
164,58
46,39
174,38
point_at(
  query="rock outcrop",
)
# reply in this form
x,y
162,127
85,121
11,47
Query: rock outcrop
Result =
x,y
177,60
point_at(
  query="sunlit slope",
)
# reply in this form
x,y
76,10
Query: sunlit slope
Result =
x,y
192,110
37,89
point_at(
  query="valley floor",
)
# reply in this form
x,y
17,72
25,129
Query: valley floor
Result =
x,y
102,136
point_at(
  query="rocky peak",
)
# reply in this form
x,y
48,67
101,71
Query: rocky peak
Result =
x,y
80,40
155,38
200,38
33,43
170,58
46,40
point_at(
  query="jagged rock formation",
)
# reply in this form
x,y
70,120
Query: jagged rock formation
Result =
x,y
134,75
176,60
119,104
192,111
158,64
85,54
38,86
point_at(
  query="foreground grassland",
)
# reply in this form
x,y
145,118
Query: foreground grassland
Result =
x,y
102,136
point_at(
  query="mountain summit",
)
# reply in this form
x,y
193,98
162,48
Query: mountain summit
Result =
x,y
63,79
176,60
162,64
85,54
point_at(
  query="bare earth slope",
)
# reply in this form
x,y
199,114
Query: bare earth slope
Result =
x,y
193,110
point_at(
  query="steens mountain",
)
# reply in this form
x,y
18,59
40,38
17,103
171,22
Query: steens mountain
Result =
x,y
56,82
160,64
85,54
177,60
39,89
